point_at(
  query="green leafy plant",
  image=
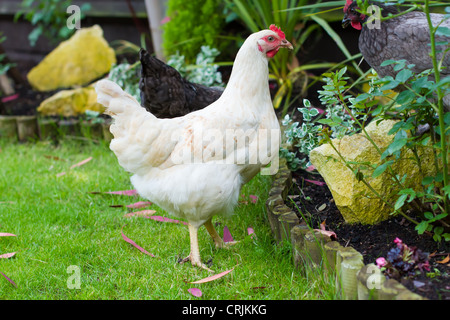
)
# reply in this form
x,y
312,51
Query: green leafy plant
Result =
x,y
403,261
307,136
49,18
204,71
300,139
127,77
193,24
413,107
417,105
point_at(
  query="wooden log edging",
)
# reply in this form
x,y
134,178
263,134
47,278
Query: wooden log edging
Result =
x,y
33,128
355,280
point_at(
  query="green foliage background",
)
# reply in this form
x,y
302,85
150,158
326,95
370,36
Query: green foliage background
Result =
x,y
193,24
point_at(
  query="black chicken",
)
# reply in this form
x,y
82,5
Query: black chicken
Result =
x,y
166,94
404,37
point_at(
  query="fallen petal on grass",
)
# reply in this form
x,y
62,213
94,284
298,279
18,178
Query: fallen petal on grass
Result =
x,y
140,204
123,192
164,219
134,244
253,198
79,164
251,232
227,235
3,234
10,281
143,213
212,278
7,255
195,292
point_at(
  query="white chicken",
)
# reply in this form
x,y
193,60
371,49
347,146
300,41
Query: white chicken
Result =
x,y
194,166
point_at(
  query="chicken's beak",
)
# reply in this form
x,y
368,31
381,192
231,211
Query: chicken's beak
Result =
x,y
346,21
286,44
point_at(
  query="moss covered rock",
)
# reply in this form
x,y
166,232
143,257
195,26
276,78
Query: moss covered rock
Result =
x,y
78,61
356,202
69,103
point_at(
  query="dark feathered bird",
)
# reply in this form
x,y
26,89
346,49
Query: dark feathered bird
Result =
x,y
166,94
404,37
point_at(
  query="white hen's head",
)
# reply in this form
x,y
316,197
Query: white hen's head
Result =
x,y
271,40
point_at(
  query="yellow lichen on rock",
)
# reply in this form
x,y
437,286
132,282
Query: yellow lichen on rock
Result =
x,y
86,56
356,202
70,103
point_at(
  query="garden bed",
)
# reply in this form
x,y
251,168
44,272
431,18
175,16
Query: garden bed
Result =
x,y
316,204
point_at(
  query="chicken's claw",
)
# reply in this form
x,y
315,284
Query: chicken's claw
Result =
x,y
196,262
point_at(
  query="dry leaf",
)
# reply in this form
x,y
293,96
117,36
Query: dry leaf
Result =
x,y
212,278
330,234
143,213
122,192
53,157
445,260
10,281
195,292
7,255
135,245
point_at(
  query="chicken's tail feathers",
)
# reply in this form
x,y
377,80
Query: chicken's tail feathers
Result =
x,y
113,98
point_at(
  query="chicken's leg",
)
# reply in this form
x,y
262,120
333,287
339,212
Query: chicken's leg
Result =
x,y
214,235
194,255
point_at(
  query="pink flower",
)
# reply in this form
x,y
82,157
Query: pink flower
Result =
x,y
398,241
381,262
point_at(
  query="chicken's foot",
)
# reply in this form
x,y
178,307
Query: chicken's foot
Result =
x,y
194,255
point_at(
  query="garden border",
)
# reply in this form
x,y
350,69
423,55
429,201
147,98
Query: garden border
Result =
x,y
355,280
29,128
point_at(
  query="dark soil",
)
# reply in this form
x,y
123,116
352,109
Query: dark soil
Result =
x,y
24,102
317,205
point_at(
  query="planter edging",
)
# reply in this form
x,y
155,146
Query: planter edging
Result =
x,y
32,128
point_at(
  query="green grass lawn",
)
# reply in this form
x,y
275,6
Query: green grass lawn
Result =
x,y
60,225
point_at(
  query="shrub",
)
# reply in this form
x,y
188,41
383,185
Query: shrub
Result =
x,y
193,24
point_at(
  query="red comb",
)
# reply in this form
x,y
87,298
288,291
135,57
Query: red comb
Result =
x,y
347,4
278,31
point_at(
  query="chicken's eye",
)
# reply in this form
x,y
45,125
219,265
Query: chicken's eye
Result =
x,y
270,38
